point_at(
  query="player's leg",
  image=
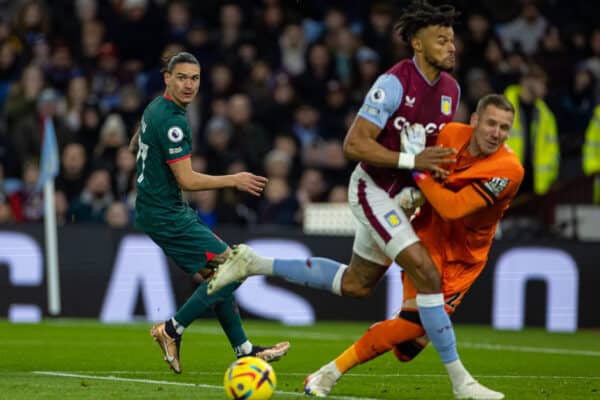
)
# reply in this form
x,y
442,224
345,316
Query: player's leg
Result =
x,y
430,302
366,267
378,339
228,315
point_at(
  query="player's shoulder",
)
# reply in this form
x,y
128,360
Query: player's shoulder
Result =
x,y
505,164
455,134
510,163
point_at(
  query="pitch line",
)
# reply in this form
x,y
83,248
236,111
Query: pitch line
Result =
x,y
155,382
303,374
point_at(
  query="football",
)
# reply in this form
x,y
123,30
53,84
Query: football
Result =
x,y
249,378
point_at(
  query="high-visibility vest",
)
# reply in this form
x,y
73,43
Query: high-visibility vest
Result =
x,y
543,135
591,152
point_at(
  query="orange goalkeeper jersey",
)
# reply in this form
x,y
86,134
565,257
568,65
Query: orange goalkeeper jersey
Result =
x,y
458,222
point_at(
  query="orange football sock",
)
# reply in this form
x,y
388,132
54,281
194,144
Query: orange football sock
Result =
x,y
348,359
382,336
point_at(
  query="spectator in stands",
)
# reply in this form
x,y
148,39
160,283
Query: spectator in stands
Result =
x,y
76,96
94,200
21,101
217,135
89,132
73,175
368,69
61,207
113,135
312,84
524,32
117,215
534,138
278,205
292,46
29,201
575,110
534,135
122,176
277,164
250,139
28,132
591,153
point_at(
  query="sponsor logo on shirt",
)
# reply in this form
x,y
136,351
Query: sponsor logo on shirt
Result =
x,y
401,123
392,218
410,101
175,150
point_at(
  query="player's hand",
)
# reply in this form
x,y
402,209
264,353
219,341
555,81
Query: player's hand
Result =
x,y
431,157
249,183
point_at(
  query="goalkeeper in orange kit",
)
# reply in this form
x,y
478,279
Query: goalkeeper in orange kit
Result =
x,y
457,226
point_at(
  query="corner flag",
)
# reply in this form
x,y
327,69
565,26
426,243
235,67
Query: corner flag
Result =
x,y
49,163
49,166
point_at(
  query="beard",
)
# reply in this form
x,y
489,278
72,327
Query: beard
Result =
x,y
439,65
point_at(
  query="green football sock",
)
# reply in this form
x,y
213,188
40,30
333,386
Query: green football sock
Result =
x,y
201,303
231,322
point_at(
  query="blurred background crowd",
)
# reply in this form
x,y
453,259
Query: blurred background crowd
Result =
x,y
281,82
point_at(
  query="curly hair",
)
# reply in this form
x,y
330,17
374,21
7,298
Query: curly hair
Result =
x,y
421,14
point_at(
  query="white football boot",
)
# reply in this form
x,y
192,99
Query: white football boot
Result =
x,y
235,268
320,383
476,391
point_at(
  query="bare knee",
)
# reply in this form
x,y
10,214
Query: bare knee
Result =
x,y
361,277
417,263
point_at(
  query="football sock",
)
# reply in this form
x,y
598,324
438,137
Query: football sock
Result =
x,y
347,360
243,349
314,272
261,266
170,328
437,324
228,314
458,373
382,336
200,303
176,326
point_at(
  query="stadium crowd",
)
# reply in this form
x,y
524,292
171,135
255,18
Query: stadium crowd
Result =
x,y
281,82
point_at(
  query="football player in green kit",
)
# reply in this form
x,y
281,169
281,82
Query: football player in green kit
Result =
x,y
164,146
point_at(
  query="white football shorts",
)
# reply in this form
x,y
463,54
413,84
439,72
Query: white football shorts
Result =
x,y
382,229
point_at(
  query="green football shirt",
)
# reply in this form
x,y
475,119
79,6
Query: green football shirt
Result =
x,y
165,138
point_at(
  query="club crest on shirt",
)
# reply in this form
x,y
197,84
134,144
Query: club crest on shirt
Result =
x,y
446,105
392,218
175,134
377,95
496,185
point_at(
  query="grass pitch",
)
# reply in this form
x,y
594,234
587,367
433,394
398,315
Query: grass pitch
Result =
x,y
75,359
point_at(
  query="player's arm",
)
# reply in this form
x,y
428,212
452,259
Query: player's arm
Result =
x,y
133,143
454,205
188,179
360,143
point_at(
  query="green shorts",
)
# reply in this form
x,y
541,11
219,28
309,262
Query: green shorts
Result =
x,y
190,246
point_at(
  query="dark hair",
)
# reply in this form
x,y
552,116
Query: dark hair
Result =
x,y
180,58
496,100
420,14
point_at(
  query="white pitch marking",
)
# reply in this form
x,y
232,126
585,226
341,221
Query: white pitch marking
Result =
x,y
398,375
151,381
529,349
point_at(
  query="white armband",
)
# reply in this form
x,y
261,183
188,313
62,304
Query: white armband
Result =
x,y
406,161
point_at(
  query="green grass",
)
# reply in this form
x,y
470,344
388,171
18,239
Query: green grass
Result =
x,y
122,362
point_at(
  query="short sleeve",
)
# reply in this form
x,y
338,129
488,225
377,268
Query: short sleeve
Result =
x,y
382,100
175,140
